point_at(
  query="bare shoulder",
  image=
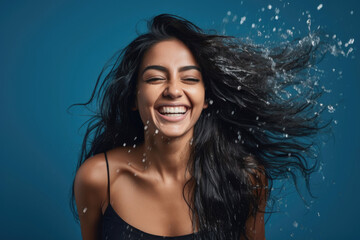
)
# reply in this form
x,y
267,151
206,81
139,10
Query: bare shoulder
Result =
x,y
90,194
257,174
90,182
91,179
92,175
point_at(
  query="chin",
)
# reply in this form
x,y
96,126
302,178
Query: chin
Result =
x,y
173,133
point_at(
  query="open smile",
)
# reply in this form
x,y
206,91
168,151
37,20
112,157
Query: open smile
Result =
x,y
173,113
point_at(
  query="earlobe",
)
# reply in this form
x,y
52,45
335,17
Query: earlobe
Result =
x,y
205,105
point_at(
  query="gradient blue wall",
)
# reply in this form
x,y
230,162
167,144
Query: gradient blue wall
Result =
x,y
50,55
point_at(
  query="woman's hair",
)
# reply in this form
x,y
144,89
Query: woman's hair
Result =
x,y
261,120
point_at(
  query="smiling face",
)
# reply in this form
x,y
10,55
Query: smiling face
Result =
x,y
170,91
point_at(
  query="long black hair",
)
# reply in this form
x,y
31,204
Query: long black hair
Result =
x,y
262,119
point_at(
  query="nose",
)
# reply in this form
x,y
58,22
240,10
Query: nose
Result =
x,y
173,89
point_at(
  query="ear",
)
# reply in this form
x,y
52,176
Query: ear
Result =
x,y
205,104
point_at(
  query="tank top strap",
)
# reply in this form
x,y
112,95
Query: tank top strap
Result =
x,y
108,175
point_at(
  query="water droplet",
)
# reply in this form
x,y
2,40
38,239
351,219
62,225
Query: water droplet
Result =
x,y
146,127
331,109
134,146
211,102
318,214
242,20
289,154
129,163
351,12
269,7
143,160
277,17
118,170
295,224
156,131
135,174
239,87
84,210
253,25
232,112
257,118
335,121
319,7
124,144
229,13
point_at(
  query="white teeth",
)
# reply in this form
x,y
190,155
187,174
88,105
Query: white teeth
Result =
x,y
174,114
173,111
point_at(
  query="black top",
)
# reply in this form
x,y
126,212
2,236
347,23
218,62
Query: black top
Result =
x,y
115,228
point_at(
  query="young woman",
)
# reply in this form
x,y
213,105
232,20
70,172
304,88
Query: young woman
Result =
x,y
191,130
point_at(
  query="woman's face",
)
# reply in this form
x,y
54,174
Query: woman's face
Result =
x,y
170,91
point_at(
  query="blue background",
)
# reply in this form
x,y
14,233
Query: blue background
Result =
x,y
51,53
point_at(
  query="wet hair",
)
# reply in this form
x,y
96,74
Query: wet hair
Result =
x,y
259,124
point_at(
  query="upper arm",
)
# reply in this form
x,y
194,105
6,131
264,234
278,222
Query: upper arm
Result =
x,y
90,192
255,224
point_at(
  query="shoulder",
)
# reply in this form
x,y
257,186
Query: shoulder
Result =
x,y
256,171
91,180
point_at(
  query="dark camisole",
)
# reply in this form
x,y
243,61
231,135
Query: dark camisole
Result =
x,y
115,228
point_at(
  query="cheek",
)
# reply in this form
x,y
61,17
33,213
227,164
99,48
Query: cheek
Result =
x,y
197,96
145,102
145,98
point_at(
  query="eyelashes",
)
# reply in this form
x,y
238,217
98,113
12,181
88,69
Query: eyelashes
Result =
x,y
154,80
192,79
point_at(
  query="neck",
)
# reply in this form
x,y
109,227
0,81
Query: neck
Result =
x,y
167,158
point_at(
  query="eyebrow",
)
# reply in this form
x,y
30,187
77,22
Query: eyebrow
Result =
x,y
164,69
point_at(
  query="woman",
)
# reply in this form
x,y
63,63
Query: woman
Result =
x,y
191,129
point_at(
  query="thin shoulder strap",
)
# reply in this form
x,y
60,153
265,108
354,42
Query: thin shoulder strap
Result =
x,y
108,174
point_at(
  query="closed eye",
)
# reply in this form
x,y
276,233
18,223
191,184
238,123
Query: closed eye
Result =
x,y
153,80
192,79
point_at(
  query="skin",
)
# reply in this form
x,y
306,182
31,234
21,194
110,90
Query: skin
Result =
x,y
146,181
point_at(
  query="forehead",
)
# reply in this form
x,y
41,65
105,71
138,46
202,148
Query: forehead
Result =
x,y
168,53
